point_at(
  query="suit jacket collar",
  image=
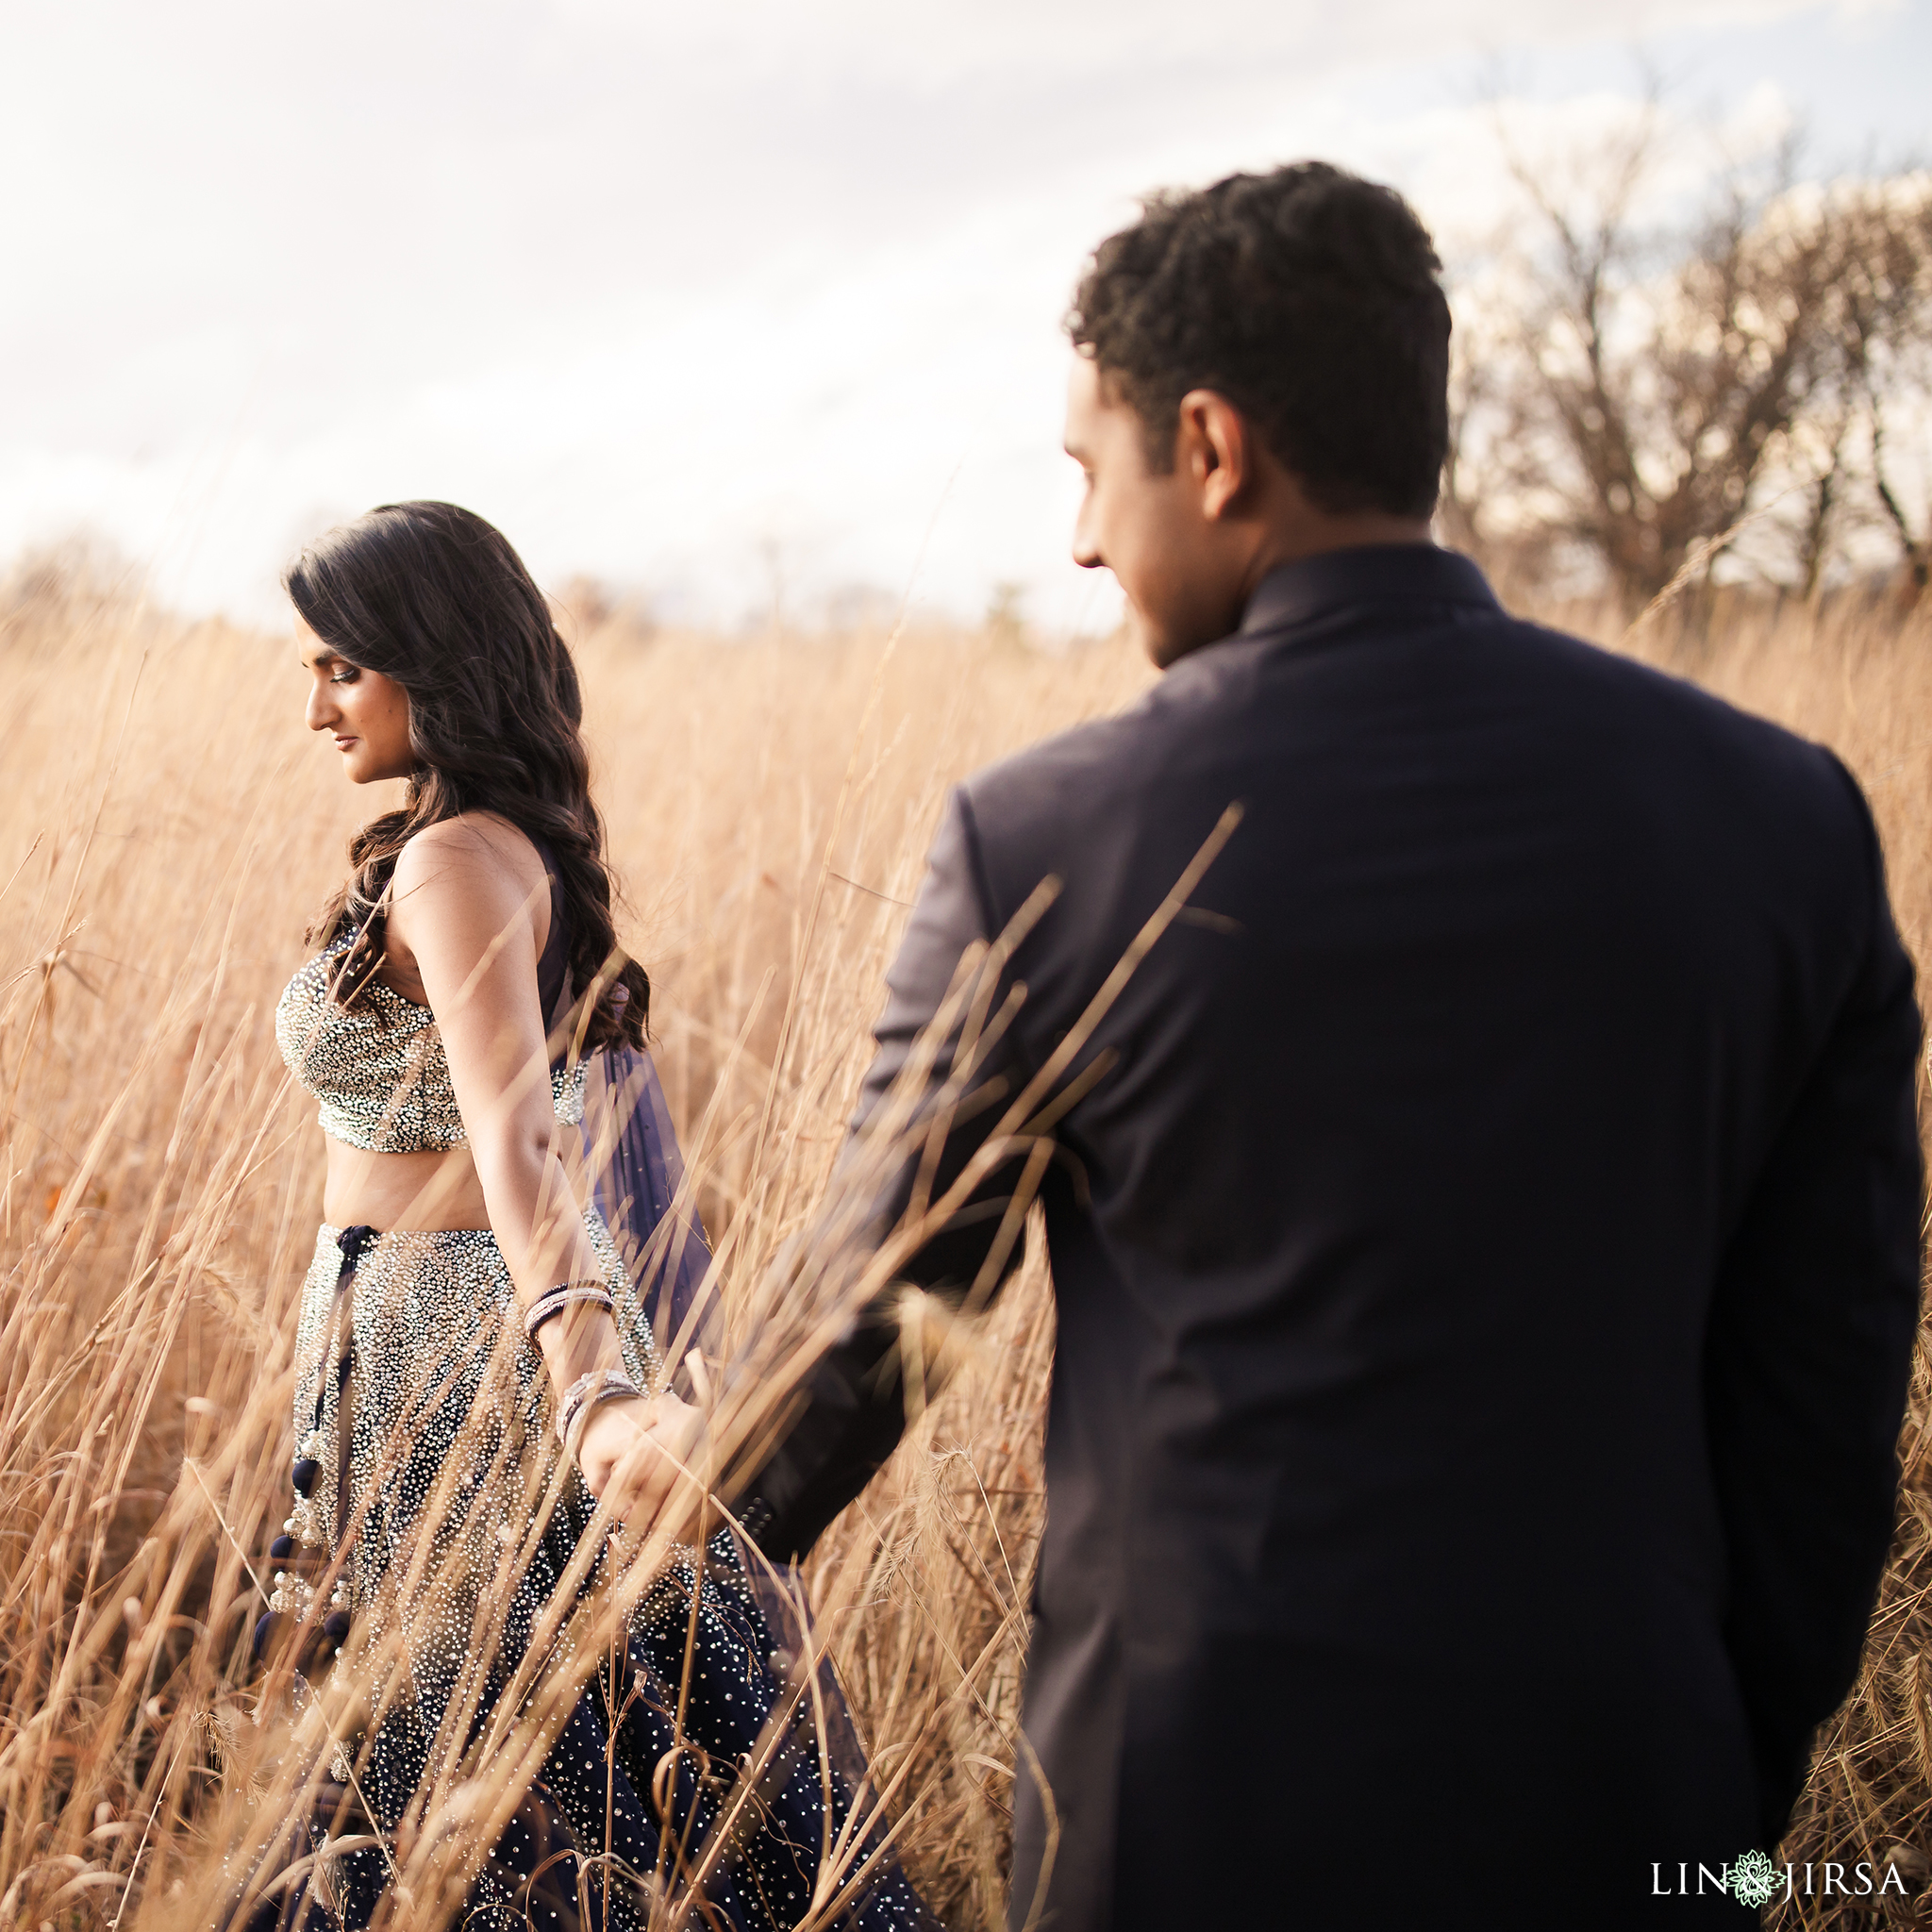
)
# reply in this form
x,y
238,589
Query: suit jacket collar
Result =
x,y
1312,587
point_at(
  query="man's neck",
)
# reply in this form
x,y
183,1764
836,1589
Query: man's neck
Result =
x,y
1306,531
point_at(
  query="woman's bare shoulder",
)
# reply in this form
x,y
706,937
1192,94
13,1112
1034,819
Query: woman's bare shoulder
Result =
x,y
476,849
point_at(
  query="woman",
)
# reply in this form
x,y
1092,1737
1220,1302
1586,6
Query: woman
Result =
x,y
467,1293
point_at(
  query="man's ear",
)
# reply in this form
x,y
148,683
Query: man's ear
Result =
x,y
1216,449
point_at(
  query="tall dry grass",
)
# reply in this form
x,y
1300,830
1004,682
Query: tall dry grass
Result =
x,y
167,830
167,827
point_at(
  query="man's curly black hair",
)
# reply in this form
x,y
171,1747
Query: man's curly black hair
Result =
x,y
1307,298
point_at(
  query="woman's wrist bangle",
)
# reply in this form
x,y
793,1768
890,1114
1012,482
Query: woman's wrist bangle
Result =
x,y
583,1395
553,1301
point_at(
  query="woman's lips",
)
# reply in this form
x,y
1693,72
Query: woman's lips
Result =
x,y
344,743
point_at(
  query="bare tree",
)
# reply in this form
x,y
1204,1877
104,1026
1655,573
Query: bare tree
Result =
x,y
1640,395
1886,331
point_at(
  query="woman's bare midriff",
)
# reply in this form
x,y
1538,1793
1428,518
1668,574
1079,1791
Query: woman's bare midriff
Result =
x,y
423,1193
393,1191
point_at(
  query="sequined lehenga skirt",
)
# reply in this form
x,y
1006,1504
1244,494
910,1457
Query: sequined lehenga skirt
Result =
x,y
434,1518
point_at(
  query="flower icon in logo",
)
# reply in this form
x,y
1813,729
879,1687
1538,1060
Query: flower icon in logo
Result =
x,y
1755,1880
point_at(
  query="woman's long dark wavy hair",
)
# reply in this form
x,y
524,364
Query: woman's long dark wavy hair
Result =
x,y
434,598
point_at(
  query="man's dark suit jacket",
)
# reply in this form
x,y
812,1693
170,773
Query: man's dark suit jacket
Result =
x,y
1486,1278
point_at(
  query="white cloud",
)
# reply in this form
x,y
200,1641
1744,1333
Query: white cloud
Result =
x,y
943,42
656,286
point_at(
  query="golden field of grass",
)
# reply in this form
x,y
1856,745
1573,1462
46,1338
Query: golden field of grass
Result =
x,y
167,827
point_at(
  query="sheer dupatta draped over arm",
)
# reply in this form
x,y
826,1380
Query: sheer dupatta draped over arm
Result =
x,y
634,1175
632,1169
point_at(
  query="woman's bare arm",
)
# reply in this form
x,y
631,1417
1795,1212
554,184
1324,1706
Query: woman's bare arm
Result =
x,y
470,904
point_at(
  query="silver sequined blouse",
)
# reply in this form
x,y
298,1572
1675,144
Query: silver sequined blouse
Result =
x,y
378,1070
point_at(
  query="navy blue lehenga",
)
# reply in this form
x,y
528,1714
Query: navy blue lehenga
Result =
x,y
423,1423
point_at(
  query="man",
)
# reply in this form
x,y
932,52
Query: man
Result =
x,y
1486,1237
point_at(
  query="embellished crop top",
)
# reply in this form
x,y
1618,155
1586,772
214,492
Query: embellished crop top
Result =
x,y
378,1070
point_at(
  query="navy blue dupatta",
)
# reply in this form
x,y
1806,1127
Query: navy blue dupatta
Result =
x,y
632,1169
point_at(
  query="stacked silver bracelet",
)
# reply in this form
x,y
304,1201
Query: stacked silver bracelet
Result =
x,y
583,1395
553,1301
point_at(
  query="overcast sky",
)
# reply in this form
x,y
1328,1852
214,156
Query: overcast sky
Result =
x,y
714,303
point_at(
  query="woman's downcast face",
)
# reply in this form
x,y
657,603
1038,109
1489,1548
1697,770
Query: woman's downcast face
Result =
x,y
366,713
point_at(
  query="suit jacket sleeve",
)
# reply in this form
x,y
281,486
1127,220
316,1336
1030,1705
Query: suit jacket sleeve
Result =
x,y
854,1411
1808,1356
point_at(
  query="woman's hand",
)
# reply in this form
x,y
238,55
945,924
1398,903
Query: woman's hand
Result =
x,y
634,1454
